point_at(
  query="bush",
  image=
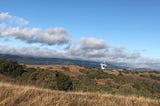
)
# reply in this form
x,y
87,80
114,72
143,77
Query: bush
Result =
x,y
11,68
64,82
97,74
43,78
155,77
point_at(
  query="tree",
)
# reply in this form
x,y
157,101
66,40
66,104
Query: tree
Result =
x,y
64,82
10,67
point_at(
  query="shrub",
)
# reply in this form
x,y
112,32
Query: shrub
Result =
x,y
11,68
43,78
98,74
155,77
63,82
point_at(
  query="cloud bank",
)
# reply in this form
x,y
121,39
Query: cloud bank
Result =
x,y
87,48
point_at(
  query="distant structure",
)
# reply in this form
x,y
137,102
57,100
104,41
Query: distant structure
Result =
x,y
103,66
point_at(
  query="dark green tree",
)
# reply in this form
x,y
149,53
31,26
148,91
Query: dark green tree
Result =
x,y
64,82
11,68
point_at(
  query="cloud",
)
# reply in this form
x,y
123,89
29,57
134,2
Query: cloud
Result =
x,y
30,51
52,36
93,43
3,15
18,33
99,50
120,53
87,48
14,27
133,60
12,20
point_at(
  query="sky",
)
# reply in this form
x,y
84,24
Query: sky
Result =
x,y
124,31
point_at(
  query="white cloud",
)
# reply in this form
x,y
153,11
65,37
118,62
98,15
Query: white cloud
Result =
x,y
93,43
88,48
3,15
18,33
29,51
15,27
52,36
12,20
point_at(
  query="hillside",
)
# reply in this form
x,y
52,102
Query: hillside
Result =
x,y
78,78
104,85
114,81
13,95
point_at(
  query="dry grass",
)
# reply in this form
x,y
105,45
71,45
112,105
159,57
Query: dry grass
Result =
x,y
14,95
113,72
71,70
101,81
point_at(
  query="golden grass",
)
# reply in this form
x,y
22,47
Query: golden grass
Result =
x,y
73,70
100,81
15,95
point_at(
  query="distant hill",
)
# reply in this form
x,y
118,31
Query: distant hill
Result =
x,y
55,61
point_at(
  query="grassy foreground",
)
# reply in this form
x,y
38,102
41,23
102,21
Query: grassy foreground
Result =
x,y
15,95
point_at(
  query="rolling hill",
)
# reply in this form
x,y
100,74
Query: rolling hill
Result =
x,y
72,85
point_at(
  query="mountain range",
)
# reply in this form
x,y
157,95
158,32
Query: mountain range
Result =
x,y
55,61
65,61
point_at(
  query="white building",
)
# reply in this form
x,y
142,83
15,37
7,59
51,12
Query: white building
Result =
x,y
103,66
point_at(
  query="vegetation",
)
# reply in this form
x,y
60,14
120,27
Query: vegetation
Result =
x,y
13,95
123,82
11,68
155,77
63,82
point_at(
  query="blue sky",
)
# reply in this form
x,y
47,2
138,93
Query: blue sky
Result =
x,y
132,24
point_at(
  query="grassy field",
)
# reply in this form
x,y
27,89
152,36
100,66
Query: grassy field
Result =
x,y
15,95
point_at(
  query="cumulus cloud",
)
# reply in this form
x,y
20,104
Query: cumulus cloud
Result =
x,y
98,50
34,51
93,43
18,33
88,48
120,53
50,36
